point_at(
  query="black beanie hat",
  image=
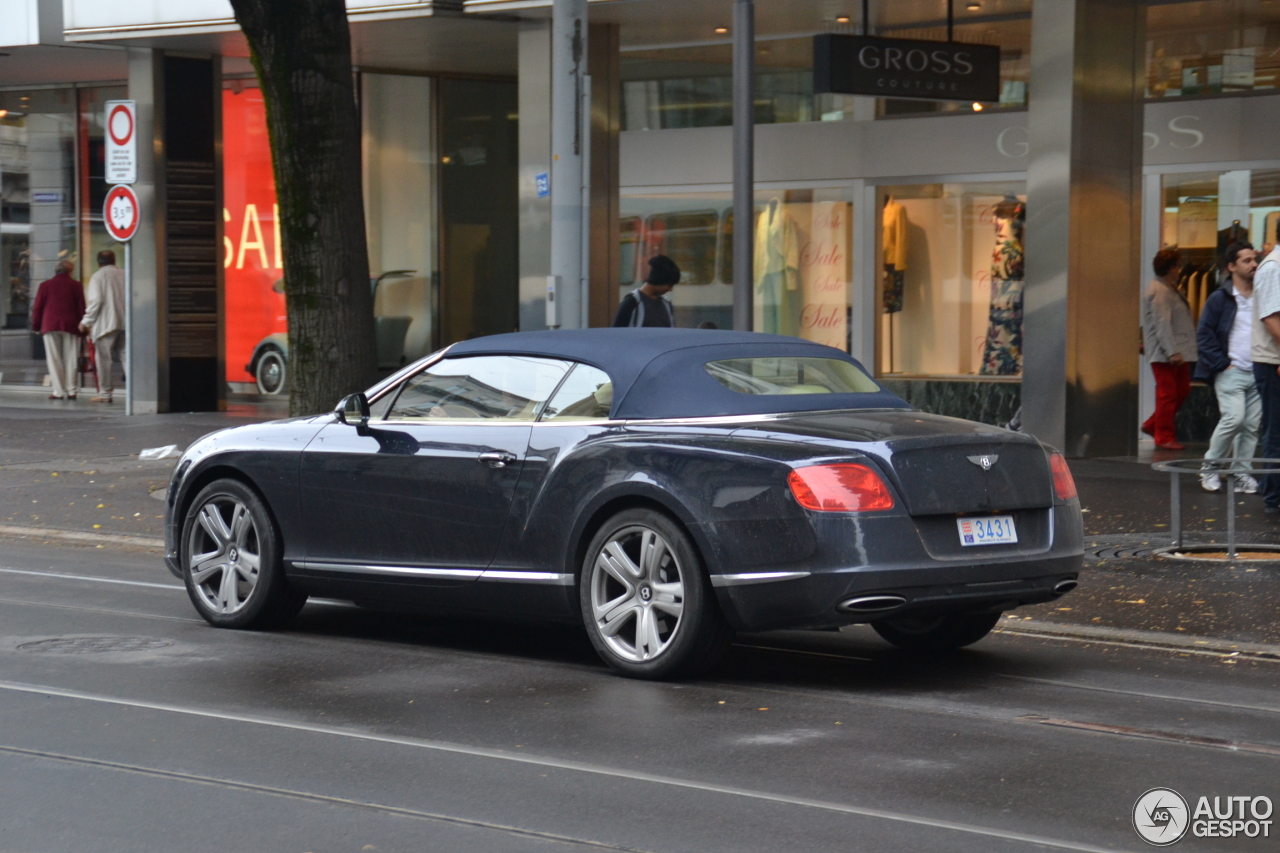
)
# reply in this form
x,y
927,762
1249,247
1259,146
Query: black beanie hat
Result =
x,y
662,270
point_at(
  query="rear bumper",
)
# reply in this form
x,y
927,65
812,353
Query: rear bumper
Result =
x,y
804,600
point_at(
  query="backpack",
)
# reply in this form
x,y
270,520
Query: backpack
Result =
x,y
637,316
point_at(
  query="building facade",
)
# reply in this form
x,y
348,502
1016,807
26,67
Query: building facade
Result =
x,y
982,258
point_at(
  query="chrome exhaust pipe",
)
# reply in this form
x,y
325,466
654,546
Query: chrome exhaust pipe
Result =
x,y
872,603
1063,587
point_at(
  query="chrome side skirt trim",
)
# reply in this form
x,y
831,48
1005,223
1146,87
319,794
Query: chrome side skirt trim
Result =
x,y
399,571
552,578
755,577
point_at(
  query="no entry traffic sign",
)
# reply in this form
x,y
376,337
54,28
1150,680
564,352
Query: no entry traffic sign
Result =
x,y
122,142
121,213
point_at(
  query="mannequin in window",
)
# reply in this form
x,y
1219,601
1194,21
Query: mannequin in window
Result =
x,y
1002,352
895,254
777,269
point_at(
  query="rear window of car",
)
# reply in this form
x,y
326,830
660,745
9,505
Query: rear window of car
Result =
x,y
790,375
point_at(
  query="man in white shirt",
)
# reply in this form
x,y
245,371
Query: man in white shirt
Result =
x,y
104,320
1266,364
1224,340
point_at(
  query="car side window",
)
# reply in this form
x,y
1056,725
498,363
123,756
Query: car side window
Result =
x,y
587,394
483,387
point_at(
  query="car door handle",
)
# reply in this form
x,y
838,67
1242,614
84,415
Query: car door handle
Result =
x,y
497,459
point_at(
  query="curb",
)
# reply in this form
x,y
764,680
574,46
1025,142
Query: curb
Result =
x,y
148,542
1136,636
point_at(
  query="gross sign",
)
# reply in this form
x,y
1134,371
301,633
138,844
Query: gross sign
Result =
x,y
122,142
120,213
906,68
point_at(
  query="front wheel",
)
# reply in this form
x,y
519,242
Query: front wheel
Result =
x,y
646,600
936,633
231,562
271,372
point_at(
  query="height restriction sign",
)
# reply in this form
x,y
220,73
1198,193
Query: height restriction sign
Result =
x,y
121,213
122,142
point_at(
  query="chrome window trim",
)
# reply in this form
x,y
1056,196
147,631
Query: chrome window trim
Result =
x,y
755,577
548,578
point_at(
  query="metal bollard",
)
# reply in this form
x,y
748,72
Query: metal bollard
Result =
x,y
1175,507
1231,516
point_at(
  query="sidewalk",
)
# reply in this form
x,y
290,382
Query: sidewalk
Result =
x,y
77,472
77,469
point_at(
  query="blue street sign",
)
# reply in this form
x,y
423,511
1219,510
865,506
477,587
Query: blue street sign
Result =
x,y
542,181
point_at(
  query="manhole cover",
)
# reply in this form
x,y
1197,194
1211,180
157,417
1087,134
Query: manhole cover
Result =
x,y
1147,546
93,645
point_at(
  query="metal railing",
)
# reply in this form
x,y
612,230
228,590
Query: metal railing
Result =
x,y
1227,469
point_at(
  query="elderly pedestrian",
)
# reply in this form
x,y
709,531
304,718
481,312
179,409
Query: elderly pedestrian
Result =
x,y
1169,340
1224,340
103,321
1266,364
56,316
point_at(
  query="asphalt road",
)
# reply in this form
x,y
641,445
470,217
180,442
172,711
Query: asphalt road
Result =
x,y
127,724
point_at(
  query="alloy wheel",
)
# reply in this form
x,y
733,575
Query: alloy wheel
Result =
x,y
637,593
224,554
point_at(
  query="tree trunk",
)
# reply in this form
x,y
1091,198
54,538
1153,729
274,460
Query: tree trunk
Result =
x,y
301,50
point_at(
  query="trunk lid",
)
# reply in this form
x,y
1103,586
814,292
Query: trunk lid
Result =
x,y
936,463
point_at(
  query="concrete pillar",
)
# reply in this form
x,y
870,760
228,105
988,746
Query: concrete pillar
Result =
x,y
147,257
1084,179
568,147
534,99
534,75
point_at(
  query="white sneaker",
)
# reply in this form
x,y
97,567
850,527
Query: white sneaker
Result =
x,y
1246,484
1211,482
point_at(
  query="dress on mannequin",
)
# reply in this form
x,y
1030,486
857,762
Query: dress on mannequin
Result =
x,y
1002,352
895,254
777,263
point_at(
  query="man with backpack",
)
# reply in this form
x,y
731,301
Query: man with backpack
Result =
x,y
648,304
1224,340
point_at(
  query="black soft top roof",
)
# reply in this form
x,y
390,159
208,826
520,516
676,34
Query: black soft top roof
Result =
x,y
658,373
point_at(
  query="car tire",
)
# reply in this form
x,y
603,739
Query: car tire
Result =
x,y
231,560
646,600
935,633
271,372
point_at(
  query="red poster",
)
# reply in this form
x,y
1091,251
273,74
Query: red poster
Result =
x,y
255,318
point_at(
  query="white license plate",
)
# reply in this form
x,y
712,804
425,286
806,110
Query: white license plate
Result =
x,y
987,530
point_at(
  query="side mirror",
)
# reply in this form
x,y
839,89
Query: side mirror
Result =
x,y
354,410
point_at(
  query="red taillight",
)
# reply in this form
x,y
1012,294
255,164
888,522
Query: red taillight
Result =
x,y
1064,486
839,488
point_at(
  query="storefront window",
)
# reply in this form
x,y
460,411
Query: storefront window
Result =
x,y
257,332
1205,212
399,168
399,188
803,258
37,215
1212,47
952,279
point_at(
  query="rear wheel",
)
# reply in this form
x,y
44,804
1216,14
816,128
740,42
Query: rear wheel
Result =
x,y
231,562
646,600
936,633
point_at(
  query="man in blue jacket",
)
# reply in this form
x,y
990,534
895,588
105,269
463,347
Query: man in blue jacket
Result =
x,y
1225,340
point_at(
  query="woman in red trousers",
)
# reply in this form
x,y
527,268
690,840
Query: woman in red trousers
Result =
x,y
1169,340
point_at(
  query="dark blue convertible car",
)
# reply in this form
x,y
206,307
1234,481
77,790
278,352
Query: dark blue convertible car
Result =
x,y
663,487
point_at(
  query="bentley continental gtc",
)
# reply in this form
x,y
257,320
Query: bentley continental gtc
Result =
x,y
664,488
